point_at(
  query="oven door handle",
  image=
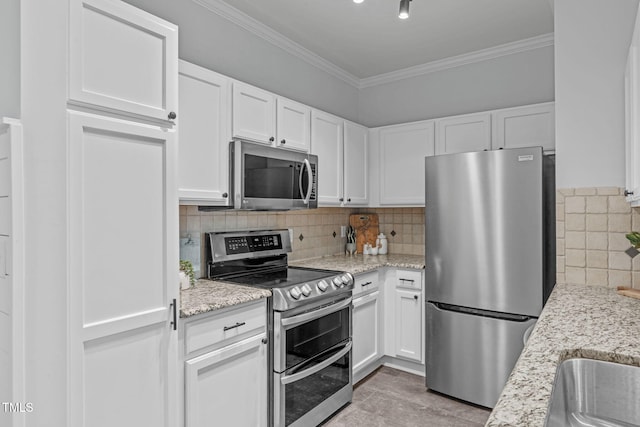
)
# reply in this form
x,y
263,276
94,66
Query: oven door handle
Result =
x,y
316,368
305,317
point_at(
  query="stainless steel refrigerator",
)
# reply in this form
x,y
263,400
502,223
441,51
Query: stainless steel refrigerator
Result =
x,y
490,265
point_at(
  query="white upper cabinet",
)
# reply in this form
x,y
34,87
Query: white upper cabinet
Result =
x,y
264,117
632,130
293,125
459,134
122,59
356,164
327,142
254,113
204,123
402,149
528,126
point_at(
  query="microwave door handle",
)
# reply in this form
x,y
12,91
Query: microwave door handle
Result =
x,y
309,185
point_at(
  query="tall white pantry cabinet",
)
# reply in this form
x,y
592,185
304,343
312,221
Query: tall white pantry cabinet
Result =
x,y
116,209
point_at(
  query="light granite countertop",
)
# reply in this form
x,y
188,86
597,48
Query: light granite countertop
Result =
x,y
209,295
357,264
578,321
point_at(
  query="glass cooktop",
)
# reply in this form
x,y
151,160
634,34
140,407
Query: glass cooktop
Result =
x,y
282,278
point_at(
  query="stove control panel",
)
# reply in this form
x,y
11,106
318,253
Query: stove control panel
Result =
x,y
252,243
299,294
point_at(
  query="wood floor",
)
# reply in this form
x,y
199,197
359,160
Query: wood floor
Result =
x,y
392,398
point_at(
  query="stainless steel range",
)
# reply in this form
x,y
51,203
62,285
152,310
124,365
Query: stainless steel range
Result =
x,y
309,323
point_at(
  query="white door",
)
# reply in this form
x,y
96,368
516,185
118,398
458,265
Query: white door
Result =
x,y
122,58
204,123
293,125
460,134
327,143
530,126
123,234
356,161
408,325
402,152
11,273
254,114
366,330
228,387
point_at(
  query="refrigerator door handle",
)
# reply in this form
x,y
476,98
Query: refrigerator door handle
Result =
x,y
483,313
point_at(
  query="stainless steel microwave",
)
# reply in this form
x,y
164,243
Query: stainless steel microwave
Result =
x,y
268,178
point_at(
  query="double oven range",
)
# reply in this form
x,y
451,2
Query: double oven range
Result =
x,y
308,318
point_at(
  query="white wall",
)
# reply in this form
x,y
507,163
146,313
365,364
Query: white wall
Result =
x,y
508,81
591,42
213,42
10,59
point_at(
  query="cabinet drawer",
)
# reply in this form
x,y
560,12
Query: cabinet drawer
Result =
x,y
227,327
365,282
410,279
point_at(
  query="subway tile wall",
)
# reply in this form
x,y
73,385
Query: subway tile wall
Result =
x,y
316,228
591,224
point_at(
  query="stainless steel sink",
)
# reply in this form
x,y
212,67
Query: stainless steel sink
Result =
x,y
595,393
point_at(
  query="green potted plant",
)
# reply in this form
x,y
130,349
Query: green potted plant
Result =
x,y
187,276
634,238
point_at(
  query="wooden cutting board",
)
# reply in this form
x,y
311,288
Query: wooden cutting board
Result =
x,y
366,227
629,292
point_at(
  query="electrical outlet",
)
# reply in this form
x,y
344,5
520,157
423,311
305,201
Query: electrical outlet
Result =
x,y
343,231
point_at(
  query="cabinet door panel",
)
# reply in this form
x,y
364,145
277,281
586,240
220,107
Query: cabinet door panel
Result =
x,y
123,272
327,144
366,330
356,161
528,126
408,325
203,170
228,387
294,125
402,152
463,133
122,58
254,114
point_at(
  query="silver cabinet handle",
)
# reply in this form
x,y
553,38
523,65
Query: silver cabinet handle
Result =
x,y
366,284
237,325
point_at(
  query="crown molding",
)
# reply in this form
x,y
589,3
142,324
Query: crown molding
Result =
x,y
261,30
230,13
464,59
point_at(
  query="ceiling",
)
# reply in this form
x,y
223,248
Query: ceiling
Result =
x,y
369,39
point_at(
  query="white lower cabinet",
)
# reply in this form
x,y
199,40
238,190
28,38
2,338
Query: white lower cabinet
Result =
x,y
408,336
367,325
227,387
408,316
366,331
225,368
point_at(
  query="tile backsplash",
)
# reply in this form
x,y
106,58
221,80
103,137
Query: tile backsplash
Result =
x,y
591,224
316,227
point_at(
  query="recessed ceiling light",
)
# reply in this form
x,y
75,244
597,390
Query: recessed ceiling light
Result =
x,y
404,9
358,1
